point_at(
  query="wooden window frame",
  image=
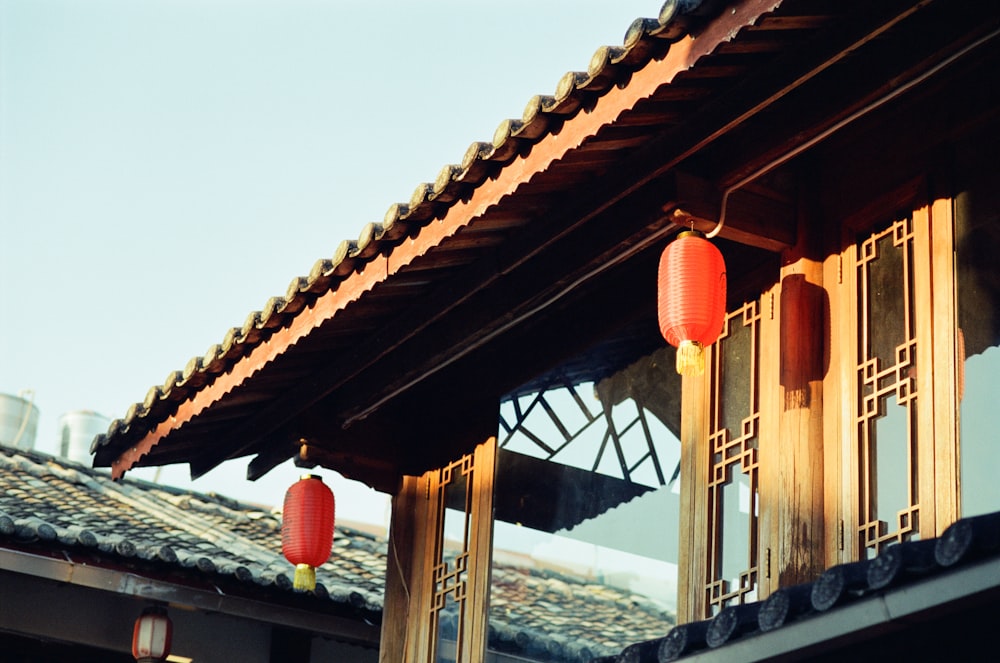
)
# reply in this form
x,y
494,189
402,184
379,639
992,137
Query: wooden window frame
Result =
x,y
414,561
696,553
933,298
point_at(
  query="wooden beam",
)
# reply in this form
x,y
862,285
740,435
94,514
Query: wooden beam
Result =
x,y
264,462
755,94
925,39
608,239
679,58
765,222
383,476
633,226
764,89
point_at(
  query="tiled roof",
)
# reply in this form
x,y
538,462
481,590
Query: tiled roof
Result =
x,y
646,39
50,506
907,586
552,617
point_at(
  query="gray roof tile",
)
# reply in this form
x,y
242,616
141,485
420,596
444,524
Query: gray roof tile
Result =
x,y
53,506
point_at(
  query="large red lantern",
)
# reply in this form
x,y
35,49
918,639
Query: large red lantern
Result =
x,y
151,636
307,528
691,298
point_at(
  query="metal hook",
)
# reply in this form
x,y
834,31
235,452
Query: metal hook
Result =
x,y
722,215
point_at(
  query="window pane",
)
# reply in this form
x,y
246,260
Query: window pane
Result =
x,y
977,217
587,503
736,533
888,505
735,401
891,466
886,304
452,560
732,480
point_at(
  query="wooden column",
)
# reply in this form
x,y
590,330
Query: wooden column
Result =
x,y
691,568
944,380
795,482
481,547
404,572
416,542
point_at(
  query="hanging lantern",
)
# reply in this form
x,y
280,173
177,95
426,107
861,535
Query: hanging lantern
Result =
x,y
151,636
691,298
307,528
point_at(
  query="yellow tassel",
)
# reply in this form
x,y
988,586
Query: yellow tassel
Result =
x,y
305,578
690,358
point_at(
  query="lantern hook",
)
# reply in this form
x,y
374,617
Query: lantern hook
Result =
x,y
722,215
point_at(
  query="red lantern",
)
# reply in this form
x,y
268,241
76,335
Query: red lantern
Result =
x,y
691,298
307,528
151,636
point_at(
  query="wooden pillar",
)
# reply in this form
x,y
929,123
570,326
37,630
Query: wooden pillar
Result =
x,y
797,528
692,563
415,550
404,567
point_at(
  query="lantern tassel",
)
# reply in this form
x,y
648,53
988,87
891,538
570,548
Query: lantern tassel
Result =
x,y
305,578
690,358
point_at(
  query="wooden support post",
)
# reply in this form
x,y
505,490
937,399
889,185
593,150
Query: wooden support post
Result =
x,y
402,573
415,546
795,484
691,604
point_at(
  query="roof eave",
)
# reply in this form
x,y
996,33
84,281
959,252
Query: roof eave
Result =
x,y
867,619
209,599
124,447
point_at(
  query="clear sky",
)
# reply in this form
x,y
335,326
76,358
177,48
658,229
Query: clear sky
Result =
x,y
166,166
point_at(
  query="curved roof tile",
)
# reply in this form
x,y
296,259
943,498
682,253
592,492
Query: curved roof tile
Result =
x,y
53,506
646,39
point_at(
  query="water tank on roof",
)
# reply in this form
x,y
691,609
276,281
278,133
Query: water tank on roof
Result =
x,y
18,420
77,429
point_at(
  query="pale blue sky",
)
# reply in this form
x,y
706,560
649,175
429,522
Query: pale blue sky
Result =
x,y
168,165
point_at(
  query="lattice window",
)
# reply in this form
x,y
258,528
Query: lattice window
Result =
x,y
886,400
734,422
573,424
452,560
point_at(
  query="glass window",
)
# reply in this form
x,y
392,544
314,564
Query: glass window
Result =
x,y
587,502
887,434
451,569
977,245
733,435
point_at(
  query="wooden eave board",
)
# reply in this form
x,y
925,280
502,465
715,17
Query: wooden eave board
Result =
x,y
444,262
423,257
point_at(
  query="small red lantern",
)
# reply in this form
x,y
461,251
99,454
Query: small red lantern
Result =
x,y
691,298
307,528
151,636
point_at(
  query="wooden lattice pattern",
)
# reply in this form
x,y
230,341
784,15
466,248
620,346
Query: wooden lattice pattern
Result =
x,y
593,417
450,572
730,452
879,380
